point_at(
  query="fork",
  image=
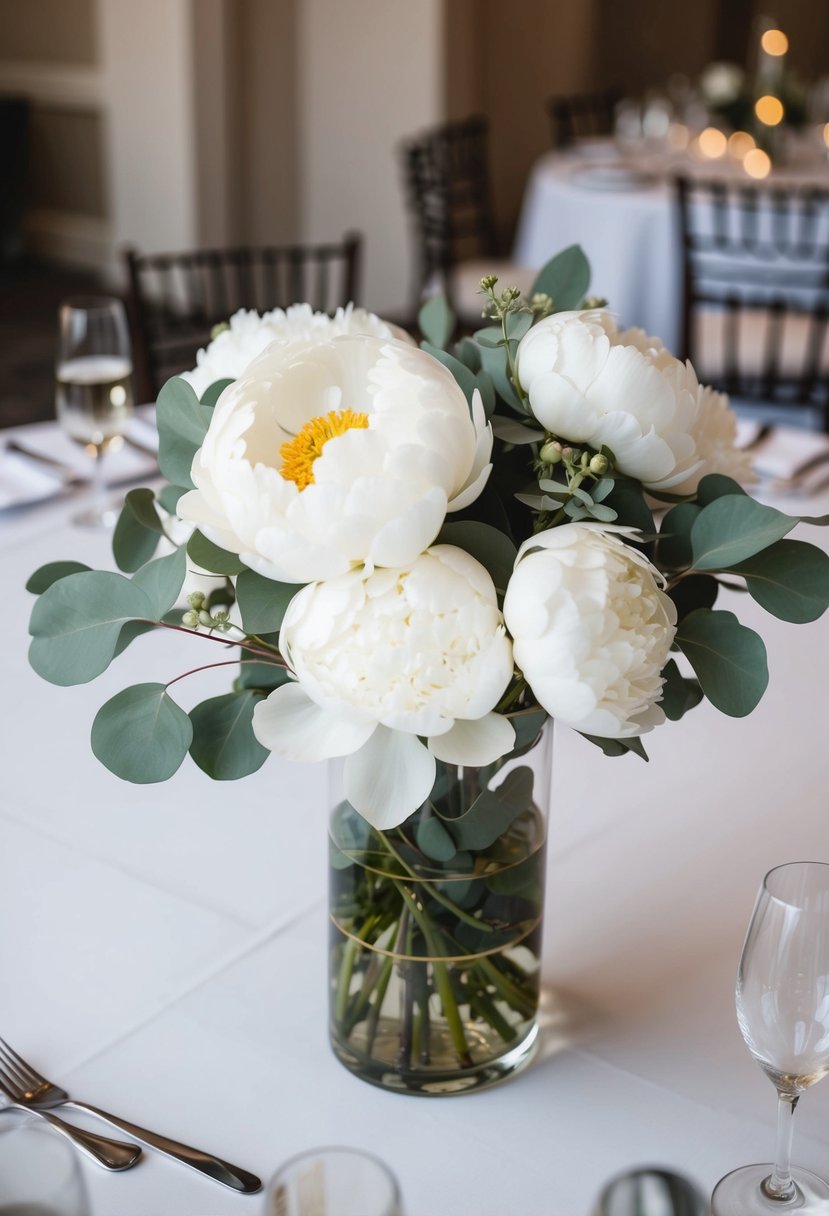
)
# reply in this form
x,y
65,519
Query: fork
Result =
x,y
55,468
111,1154
36,1093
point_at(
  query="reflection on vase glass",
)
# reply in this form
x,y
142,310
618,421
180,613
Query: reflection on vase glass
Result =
x,y
436,930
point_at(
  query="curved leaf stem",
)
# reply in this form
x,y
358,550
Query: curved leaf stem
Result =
x,y
206,667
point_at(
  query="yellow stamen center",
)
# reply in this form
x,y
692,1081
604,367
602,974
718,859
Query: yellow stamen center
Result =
x,y
298,454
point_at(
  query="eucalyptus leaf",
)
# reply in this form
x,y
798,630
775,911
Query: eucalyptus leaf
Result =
x,y
75,624
484,385
211,557
462,374
565,279
437,321
262,601
486,544
162,580
527,724
600,511
674,550
141,735
679,694
517,324
716,485
182,425
628,501
468,352
493,811
44,576
494,363
224,745
433,839
734,528
213,392
131,631
168,496
137,531
262,676
694,591
618,747
510,430
789,579
729,659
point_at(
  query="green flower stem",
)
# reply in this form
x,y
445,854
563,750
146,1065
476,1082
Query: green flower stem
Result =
x,y
386,970
512,994
271,653
483,1006
424,1046
344,978
407,1025
442,981
436,895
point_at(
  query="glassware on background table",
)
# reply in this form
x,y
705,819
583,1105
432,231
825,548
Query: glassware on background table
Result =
x,y
783,1013
93,386
39,1171
333,1182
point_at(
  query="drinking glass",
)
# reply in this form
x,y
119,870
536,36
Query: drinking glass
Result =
x,y
39,1172
336,1181
93,389
783,1013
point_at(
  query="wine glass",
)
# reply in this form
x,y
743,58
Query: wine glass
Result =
x,y
93,389
783,1013
39,1172
338,1181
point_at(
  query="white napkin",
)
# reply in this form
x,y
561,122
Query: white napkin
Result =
x,y
788,453
22,481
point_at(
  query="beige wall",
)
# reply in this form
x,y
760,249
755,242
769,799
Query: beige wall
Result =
x,y
48,31
370,73
66,164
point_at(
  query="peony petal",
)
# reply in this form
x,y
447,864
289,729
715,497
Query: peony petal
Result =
x,y
389,777
290,724
480,742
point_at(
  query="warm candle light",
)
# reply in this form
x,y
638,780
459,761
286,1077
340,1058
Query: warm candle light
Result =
x,y
826,134
740,143
769,110
774,42
712,143
757,163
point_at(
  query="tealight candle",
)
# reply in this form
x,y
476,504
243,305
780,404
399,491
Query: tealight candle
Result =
x,y
740,143
757,163
712,143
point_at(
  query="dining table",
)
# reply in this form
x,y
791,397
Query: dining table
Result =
x,y
618,203
163,947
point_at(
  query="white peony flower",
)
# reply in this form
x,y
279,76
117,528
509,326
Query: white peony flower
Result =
x,y
326,455
384,659
588,382
591,628
248,334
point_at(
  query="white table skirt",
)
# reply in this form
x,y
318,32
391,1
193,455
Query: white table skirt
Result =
x,y
162,949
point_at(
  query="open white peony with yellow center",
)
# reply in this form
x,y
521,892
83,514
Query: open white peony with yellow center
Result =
x,y
403,450
384,660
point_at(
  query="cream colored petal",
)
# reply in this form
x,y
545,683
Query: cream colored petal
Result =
x,y
290,724
389,777
475,742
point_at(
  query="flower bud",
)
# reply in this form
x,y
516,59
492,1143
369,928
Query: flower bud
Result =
x,y
551,452
205,619
488,282
190,619
196,599
599,465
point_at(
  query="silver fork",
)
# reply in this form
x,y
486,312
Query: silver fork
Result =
x,y
38,1093
111,1154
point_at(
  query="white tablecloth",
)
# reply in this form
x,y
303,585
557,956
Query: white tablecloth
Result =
x,y
629,231
162,950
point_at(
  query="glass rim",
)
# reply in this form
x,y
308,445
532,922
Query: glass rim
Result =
x,y
91,303
342,1150
769,878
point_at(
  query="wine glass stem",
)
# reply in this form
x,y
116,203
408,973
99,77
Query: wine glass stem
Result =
x,y
98,483
780,1185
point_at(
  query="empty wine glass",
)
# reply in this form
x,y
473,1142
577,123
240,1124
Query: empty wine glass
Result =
x,y
783,1013
39,1171
337,1181
93,390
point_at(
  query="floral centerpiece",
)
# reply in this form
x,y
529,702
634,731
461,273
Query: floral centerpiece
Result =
x,y
417,556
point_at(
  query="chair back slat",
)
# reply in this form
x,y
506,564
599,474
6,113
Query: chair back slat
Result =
x,y
575,116
175,299
449,195
756,290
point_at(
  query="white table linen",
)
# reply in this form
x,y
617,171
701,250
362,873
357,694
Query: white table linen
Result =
x,y
626,224
163,948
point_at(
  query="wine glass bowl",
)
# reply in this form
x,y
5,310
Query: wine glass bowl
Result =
x,y
782,998
93,384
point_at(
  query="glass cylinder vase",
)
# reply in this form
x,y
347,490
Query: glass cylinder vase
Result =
x,y
435,925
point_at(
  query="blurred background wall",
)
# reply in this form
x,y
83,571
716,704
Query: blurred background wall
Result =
x,y
172,123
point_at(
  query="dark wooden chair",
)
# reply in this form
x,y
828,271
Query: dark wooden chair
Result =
x,y
175,299
755,294
575,116
449,194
